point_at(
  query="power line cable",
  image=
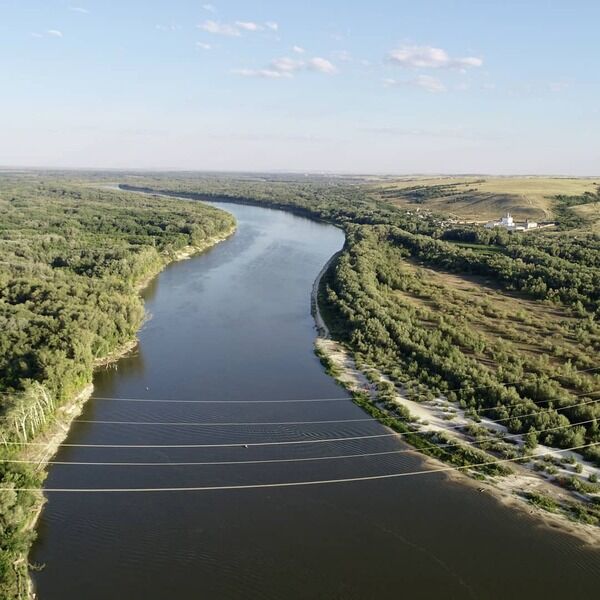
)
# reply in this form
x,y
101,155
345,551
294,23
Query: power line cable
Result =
x,y
216,424
237,424
236,445
282,443
286,460
297,483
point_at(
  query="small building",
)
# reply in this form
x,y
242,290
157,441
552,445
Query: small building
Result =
x,y
507,222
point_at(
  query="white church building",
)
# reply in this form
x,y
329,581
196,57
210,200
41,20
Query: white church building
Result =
x,y
507,222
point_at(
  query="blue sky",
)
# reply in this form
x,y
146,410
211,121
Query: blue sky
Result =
x,y
453,86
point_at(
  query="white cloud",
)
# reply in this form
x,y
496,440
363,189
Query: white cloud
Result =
x,y
264,73
209,7
79,9
219,28
431,84
286,67
426,82
470,61
55,33
203,46
322,65
249,26
168,27
298,49
35,34
236,29
428,57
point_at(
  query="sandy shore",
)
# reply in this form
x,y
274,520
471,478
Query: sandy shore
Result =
x,y
322,328
439,415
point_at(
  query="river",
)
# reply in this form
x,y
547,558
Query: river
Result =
x,y
232,328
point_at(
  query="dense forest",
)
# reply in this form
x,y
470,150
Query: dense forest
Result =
x,y
72,259
436,333
530,313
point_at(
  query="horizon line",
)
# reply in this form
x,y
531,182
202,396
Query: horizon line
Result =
x,y
305,172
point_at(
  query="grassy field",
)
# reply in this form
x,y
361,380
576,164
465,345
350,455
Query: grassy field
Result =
x,y
590,213
481,198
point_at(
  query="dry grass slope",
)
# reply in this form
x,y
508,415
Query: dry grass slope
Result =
x,y
481,198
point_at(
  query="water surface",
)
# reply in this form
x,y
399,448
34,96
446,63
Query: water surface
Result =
x,y
234,326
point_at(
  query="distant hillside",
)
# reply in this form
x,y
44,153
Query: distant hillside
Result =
x,y
483,198
590,213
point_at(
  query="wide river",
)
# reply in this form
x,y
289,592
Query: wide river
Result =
x,y
231,335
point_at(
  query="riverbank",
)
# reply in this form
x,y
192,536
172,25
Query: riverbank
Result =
x,y
511,490
53,436
322,328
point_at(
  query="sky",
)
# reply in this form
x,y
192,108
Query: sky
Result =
x,y
384,86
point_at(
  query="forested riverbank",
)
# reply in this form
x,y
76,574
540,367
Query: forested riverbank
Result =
x,y
72,260
494,326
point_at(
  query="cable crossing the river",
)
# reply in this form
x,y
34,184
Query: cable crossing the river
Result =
x,y
296,483
291,460
282,443
222,424
239,424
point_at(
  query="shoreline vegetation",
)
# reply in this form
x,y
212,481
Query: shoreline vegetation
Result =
x,y
111,244
518,488
431,319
